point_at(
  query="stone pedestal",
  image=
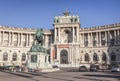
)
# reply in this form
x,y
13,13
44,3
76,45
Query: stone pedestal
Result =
x,y
38,60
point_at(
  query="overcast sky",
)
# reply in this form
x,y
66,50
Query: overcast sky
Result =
x,y
40,13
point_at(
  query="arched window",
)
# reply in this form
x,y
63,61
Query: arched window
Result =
x,y
23,57
104,58
95,57
113,56
68,36
87,58
5,56
14,58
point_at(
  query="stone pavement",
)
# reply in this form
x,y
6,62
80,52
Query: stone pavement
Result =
x,y
59,76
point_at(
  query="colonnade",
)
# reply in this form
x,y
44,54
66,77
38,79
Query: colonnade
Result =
x,y
99,36
15,39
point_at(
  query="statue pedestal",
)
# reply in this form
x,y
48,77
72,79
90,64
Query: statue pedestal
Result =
x,y
38,60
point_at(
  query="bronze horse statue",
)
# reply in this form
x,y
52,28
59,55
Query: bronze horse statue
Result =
x,y
39,36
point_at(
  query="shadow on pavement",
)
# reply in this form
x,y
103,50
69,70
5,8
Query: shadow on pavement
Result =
x,y
22,75
69,69
31,75
91,79
18,74
47,76
117,77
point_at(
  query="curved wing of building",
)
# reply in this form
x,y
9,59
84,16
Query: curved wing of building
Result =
x,y
69,43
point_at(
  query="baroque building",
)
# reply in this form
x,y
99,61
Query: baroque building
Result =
x,y
69,43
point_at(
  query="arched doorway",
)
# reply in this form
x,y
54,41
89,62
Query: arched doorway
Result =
x,y
64,57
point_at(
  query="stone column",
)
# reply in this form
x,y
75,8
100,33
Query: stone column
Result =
x,y
29,39
70,55
106,40
0,38
77,35
9,38
46,40
100,38
80,38
110,35
12,41
73,34
26,39
91,39
18,39
115,37
21,39
59,34
2,43
83,40
55,34
118,36
51,37
97,38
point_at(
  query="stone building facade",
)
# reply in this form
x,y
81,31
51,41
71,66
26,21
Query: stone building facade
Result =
x,y
69,43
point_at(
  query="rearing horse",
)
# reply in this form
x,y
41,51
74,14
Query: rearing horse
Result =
x,y
39,36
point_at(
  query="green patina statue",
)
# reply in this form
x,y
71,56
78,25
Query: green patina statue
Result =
x,y
39,38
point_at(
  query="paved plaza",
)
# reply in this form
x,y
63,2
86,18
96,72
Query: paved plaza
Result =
x,y
69,75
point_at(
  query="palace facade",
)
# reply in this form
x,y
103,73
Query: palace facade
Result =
x,y
69,43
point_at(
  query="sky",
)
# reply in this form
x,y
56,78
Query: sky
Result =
x,y
40,13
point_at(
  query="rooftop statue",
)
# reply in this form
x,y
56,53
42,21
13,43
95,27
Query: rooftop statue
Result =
x,y
38,46
66,13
